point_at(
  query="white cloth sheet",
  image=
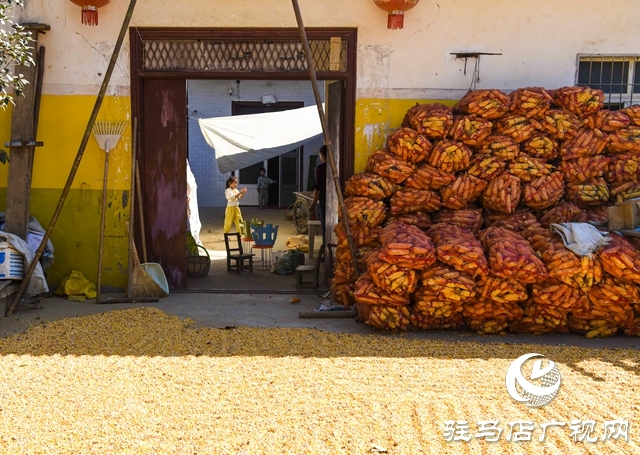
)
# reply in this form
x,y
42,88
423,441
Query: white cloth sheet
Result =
x,y
581,238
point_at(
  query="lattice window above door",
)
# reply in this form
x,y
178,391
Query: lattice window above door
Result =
x,y
284,55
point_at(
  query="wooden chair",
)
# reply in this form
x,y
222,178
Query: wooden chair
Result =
x,y
303,270
237,255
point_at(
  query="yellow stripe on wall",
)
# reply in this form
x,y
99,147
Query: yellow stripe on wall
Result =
x,y
375,119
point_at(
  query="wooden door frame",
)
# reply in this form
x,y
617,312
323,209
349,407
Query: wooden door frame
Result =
x,y
138,34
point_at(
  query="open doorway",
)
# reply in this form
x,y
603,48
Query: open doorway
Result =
x,y
172,56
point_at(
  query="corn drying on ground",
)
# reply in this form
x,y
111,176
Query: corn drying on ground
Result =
x,y
139,381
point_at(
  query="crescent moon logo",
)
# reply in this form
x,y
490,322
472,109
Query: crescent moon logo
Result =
x,y
532,394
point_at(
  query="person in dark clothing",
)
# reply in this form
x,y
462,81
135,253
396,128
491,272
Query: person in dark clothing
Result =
x,y
320,188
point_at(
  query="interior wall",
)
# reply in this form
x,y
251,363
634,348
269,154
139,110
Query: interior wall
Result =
x,y
210,98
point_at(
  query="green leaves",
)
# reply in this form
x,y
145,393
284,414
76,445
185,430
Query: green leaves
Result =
x,y
15,50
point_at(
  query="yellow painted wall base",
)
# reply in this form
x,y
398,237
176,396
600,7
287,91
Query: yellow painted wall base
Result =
x,y
375,119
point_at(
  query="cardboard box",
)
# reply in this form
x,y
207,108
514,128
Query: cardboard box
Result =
x,y
625,217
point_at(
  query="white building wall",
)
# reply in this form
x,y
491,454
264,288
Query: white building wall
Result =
x,y
538,40
210,98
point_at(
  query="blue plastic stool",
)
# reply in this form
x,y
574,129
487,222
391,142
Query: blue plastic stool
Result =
x,y
264,235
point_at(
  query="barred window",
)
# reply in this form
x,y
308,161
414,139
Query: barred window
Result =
x,y
618,76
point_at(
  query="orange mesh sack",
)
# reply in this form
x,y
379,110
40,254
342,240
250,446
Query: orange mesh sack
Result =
x,y
464,190
625,140
559,296
518,221
500,290
469,218
586,143
537,320
563,212
543,192
411,200
489,104
369,185
364,211
559,124
418,219
623,191
362,235
530,101
527,168
511,256
457,247
425,321
623,168
433,120
393,169
438,309
391,278
632,113
342,293
450,156
391,318
581,101
606,121
539,145
406,246
491,317
621,259
486,167
581,169
409,145
517,127
500,146
590,192
564,265
427,177
470,129
366,292
448,283
502,193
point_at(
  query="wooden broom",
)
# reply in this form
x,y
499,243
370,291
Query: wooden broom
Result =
x,y
142,284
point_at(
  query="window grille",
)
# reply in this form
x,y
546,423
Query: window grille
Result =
x,y
618,76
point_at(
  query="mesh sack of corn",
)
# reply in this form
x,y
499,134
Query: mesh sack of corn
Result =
x,y
621,259
369,185
543,192
597,214
563,212
527,168
432,120
585,143
489,104
366,292
425,321
448,283
427,177
409,145
470,129
518,221
450,156
418,219
363,236
406,246
511,257
490,317
392,168
560,296
580,101
343,272
363,211
623,191
363,311
633,329
457,247
623,168
606,121
559,124
390,277
517,127
343,254
616,314
411,200
434,306
464,190
594,191
616,291
564,265
491,287
468,218
486,167
530,101
581,169
625,140
593,327
538,320
538,237
540,145
502,194
342,293
392,318
632,113
500,146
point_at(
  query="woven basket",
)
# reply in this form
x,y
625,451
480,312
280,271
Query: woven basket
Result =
x,y
199,265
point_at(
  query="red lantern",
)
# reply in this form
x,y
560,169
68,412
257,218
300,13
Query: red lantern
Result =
x,y
90,10
396,10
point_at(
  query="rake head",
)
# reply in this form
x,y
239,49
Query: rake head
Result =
x,y
105,131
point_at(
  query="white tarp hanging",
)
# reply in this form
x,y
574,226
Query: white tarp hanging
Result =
x,y
243,140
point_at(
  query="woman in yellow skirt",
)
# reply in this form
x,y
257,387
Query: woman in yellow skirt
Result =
x,y
232,214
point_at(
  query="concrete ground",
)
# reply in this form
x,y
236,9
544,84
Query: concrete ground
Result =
x,y
276,310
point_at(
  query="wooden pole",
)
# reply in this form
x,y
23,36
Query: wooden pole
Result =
x,y
78,159
132,205
325,131
103,212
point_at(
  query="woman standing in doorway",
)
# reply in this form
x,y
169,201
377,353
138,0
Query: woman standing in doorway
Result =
x,y
232,214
